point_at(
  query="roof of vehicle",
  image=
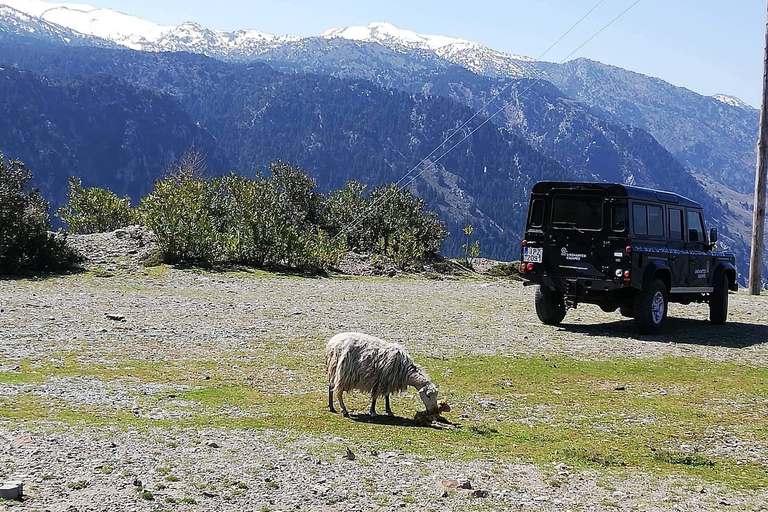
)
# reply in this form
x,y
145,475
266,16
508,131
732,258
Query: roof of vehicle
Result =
x,y
616,190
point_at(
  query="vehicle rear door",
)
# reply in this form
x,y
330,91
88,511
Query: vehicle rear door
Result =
x,y
574,240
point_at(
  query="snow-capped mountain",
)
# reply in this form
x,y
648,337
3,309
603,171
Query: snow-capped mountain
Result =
x,y
14,22
473,56
139,34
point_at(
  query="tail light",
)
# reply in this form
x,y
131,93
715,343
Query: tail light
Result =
x,y
626,275
525,242
522,268
530,267
628,249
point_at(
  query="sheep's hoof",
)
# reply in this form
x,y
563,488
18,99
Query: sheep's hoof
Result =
x,y
373,414
332,410
390,413
345,414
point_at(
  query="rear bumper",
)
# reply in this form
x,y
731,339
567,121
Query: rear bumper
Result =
x,y
584,288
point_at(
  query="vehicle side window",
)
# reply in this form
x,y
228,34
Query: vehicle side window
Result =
x,y
640,219
619,217
537,213
695,227
675,224
655,220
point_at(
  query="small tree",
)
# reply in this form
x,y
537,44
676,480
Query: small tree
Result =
x,y
471,250
95,210
25,241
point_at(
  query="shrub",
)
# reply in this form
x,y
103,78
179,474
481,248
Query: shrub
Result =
x,y
511,269
389,221
26,244
95,210
261,221
181,211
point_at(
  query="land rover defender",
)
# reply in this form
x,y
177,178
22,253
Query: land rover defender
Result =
x,y
622,247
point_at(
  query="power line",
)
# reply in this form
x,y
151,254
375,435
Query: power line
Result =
x,y
385,197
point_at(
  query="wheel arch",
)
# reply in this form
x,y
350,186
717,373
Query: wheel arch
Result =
x,y
657,270
727,268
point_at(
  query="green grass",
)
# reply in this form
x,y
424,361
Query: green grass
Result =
x,y
548,410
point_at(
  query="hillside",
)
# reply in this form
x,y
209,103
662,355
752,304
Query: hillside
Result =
x,y
109,132
335,130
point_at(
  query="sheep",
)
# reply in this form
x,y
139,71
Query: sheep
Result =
x,y
371,365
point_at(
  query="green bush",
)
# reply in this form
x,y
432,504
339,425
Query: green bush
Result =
x,y
261,221
183,212
389,221
26,243
95,210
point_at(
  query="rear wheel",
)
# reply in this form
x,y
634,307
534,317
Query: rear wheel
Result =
x,y
550,305
718,302
627,311
651,308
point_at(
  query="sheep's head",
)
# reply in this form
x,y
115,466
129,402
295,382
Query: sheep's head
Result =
x,y
428,395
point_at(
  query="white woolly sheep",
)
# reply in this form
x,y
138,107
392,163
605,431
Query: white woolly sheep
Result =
x,y
371,365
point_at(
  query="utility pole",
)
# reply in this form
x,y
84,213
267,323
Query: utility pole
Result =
x,y
758,215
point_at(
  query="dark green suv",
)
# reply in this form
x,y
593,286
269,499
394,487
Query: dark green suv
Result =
x,y
622,247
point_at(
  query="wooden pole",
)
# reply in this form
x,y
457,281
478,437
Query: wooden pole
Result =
x,y
758,215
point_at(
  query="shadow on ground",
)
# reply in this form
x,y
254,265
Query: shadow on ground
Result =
x,y
682,330
396,421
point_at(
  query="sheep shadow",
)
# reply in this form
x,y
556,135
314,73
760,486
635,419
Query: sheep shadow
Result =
x,y
682,331
394,421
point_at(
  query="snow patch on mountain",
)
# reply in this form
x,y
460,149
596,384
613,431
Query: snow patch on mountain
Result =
x,y
121,28
732,101
469,54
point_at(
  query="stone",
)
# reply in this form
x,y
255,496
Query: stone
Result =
x,y
13,490
114,316
211,444
480,494
349,455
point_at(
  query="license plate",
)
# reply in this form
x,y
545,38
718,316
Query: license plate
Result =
x,y
533,254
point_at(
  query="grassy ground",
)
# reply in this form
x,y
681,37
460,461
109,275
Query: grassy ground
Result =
x,y
665,416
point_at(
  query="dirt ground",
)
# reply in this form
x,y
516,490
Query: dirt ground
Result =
x,y
165,315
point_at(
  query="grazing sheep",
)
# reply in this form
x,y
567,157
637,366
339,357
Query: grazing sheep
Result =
x,y
368,364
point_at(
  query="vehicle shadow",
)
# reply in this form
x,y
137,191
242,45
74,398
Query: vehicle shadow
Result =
x,y
682,330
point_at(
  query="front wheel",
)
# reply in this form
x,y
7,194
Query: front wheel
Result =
x,y
718,302
651,308
550,306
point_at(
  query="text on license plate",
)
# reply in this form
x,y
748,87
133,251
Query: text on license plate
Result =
x,y
533,254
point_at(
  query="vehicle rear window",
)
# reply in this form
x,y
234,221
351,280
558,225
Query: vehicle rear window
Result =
x,y
648,219
580,212
537,213
619,217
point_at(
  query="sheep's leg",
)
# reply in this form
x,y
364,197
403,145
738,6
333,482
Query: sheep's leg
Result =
x,y
341,404
330,400
373,406
389,409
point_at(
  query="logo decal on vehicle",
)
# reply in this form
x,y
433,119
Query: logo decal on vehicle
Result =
x,y
571,256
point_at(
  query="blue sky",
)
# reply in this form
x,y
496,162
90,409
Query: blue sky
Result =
x,y
710,46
